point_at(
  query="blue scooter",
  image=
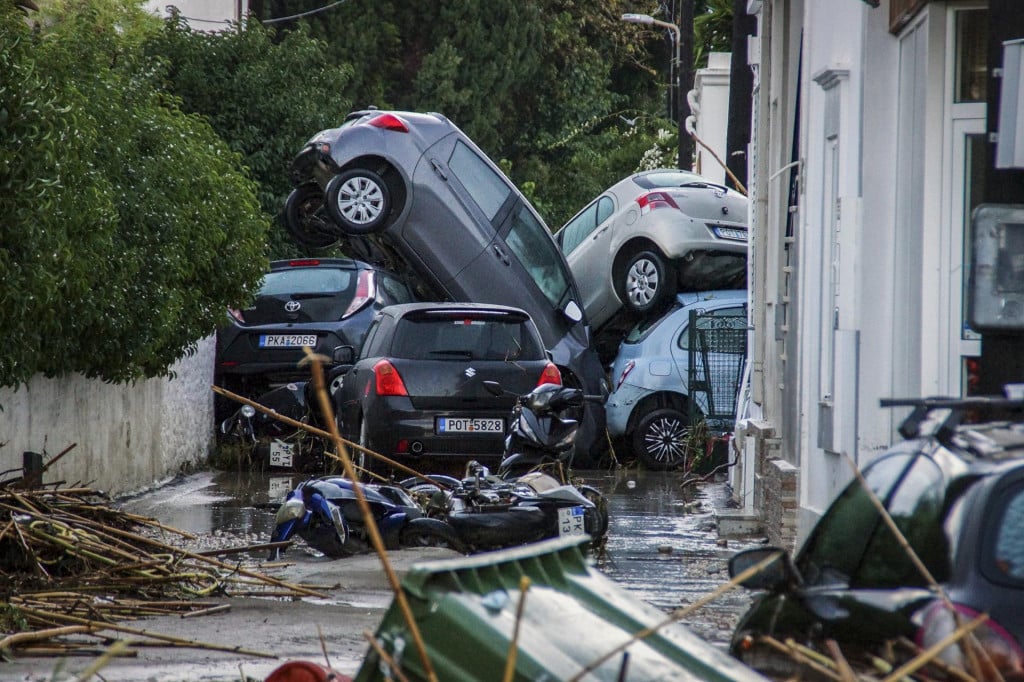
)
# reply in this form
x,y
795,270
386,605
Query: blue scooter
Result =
x,y
325,512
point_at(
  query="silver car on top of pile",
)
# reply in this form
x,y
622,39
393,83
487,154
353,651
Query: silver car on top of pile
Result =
x,y
651,235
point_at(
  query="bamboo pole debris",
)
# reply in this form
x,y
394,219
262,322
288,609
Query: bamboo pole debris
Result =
x,y
77,569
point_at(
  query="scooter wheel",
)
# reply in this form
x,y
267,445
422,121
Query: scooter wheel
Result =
x,y
431,537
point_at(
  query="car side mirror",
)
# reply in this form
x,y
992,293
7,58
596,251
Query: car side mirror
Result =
x,y
572,311
343,355
776,574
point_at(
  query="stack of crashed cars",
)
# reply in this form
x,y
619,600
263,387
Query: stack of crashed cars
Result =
x,y
649,252
411,193
955,492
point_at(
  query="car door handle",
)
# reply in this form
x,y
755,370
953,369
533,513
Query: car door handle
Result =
x,y
436,165
500,255
599,232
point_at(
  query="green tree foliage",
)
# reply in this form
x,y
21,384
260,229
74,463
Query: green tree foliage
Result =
x,y
127,224
263,97
539,85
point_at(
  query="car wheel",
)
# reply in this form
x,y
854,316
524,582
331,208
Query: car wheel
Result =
x,y
358,200
661,439
304,218
644,284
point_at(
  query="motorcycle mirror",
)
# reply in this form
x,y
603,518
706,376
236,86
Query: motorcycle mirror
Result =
x,y
494,388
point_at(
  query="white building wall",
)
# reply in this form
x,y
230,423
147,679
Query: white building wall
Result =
x,y
864,282
126,437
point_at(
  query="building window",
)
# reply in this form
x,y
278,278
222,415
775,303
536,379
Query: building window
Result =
x,y
971,56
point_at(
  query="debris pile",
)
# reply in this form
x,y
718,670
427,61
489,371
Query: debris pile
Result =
x,y
74,569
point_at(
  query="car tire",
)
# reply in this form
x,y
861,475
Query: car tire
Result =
x,y
644,284
304,219
359,201
661,439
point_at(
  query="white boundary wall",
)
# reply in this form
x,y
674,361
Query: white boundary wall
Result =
x,y
129,437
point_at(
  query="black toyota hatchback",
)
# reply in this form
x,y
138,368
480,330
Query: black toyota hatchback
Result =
x,y
417,388
321,303
956,493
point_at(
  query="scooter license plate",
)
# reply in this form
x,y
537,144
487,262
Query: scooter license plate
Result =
x,y
281,453
570,521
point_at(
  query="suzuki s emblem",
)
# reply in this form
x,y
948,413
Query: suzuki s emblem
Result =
x,y
292,306
470,372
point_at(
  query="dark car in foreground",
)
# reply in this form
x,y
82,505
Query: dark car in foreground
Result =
x,y
412,192
321,303
417,389
956,493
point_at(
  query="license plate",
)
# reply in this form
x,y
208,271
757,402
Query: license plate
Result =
x,y
730,233
287,340
278,487
469,425
570,521
281,453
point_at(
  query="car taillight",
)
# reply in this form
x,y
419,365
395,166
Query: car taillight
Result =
x,y
625,373
550,375
999,646
366,291
389,381
652,200
237,314
389,122
304,263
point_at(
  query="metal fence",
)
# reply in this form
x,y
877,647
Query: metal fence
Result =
x,y
717,353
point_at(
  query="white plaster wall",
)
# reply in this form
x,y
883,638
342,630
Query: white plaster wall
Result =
x,y
128,437
711,88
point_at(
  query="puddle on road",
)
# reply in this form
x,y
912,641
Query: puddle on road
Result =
x,y
662,544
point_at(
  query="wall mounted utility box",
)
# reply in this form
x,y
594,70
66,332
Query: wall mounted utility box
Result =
x,y
1010,143
996,301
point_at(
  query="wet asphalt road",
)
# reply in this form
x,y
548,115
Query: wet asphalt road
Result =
x,y
663,543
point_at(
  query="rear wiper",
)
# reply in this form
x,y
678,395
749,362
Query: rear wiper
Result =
x,y
708,185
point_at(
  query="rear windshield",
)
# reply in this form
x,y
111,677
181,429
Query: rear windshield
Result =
x,y
465,338
308,281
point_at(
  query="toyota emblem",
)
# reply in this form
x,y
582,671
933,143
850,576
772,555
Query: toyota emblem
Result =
x,y
292,306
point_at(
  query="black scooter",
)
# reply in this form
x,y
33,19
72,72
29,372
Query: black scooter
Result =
x,y
523,503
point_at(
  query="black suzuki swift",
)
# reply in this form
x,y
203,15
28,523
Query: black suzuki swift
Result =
x,y
417,389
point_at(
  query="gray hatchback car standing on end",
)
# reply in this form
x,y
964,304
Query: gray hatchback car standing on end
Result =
x,y
411,191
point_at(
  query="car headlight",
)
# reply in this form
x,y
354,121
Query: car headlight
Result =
x,y
289,511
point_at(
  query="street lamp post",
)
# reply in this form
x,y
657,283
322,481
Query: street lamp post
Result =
x,y
675,83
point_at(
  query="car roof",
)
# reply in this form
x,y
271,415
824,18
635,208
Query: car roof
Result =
x,y
706,299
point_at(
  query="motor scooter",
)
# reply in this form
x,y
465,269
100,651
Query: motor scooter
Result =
x,y
274,444
523,503
325,512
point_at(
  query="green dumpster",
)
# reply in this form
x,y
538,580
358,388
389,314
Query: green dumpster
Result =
x,y
466,612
